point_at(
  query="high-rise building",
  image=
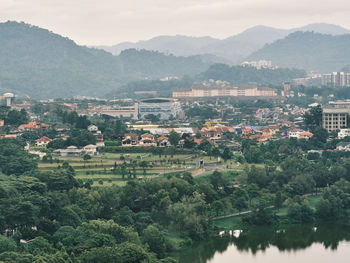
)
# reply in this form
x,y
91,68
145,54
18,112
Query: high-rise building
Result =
x,y
336,79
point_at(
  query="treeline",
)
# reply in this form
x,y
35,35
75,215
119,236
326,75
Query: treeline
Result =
x,y
13,117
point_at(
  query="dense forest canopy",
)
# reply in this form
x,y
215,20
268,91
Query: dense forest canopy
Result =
x,y
42,64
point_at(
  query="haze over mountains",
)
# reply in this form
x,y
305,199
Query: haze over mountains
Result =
x,y
41,64
234,49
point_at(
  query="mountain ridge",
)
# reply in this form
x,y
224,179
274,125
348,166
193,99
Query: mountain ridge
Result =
x,y
234,48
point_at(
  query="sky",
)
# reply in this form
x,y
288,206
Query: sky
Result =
x,y
108,22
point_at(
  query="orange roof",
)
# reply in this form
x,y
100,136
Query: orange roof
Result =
x,y
306,134
162,138
10,136
30,125
44,139
198,141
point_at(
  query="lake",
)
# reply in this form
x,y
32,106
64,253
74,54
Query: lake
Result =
x,y
301,244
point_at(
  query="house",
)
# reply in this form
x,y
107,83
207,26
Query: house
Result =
x,y
147,140
299,134
90,149
32,126
130,139
61,128
163,141
43,141
343,146
343,133
92,128
305,135
71,151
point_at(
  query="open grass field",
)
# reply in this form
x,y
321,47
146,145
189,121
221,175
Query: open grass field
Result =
x,y
100,169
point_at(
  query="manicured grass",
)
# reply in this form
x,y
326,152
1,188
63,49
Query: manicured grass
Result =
x,y
231,223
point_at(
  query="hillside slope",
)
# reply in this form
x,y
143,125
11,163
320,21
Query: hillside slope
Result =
x,y
41,64
308,50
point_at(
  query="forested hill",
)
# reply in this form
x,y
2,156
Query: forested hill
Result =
x,y
309,51
238,75
41,64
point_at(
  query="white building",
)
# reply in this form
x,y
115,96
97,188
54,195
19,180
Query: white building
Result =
x,y
161,107
343,133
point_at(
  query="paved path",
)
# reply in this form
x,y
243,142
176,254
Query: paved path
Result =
x,y
237,214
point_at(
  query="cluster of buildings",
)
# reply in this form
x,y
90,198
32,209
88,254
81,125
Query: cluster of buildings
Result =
x,y
163,108
258,64
336,79
226,91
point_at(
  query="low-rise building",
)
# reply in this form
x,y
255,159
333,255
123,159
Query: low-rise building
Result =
x,y
343,146
43,141
343,133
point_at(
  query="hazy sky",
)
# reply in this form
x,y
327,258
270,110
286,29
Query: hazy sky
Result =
x,y
98,22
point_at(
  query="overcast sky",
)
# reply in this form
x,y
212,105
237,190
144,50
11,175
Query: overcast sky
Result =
x,y
107,22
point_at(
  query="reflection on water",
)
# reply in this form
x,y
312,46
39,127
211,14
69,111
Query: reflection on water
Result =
x,y
324,243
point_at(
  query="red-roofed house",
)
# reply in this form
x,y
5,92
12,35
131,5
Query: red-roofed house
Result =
x,y
43,141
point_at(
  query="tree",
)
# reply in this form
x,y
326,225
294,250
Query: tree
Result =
x,y
155,240
86,157
226,154
313,117
7,244
218,207
144,165
174,138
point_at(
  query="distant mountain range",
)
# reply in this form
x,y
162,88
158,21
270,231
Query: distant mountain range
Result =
x,y
38,63
234,49
309,51
41,64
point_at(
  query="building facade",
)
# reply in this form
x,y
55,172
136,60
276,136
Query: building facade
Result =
x,y
336,79
334,119
226,91
163,108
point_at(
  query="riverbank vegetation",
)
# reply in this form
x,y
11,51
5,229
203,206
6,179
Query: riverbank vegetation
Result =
x,y
52,215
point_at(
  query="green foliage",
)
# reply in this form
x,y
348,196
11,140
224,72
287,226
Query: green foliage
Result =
x,y
239,75
7,244
33,59
174,138
13,158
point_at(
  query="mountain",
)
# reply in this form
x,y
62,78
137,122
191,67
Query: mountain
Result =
x,y
41,64
233,49
309,51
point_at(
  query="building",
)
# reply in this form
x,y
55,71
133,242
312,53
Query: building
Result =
x,y
43,141
334,119
258,64
226,91
163,141
130,139
2,123
8,98
147,140
161,107
129,112
343,146
343,133
336,79
92,128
